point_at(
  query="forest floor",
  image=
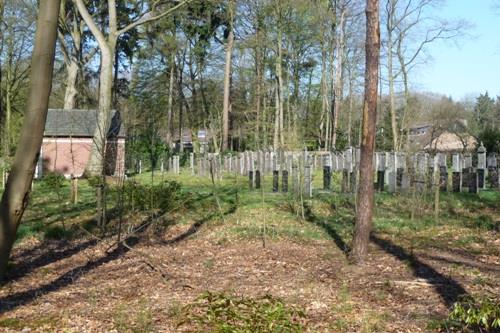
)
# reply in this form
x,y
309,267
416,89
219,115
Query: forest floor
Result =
x,y
66,277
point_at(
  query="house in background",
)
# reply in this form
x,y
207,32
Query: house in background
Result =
x,y
67,142
452,138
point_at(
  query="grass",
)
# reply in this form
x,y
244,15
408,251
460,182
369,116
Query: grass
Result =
x,y
247,213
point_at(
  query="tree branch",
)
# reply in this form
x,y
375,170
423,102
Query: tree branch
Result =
x,y
146,18
94,29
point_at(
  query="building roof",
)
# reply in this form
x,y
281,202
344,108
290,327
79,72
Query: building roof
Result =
x,y
451,142
79,123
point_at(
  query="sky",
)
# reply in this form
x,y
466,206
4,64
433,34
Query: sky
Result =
x,y
472,67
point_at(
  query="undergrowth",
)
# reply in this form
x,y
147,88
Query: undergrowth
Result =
x,y
221,313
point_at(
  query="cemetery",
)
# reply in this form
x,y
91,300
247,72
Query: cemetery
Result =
x,y
260,166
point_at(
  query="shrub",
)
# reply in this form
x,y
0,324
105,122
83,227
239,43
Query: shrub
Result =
x,y
54,182
220,313
476,315
163,197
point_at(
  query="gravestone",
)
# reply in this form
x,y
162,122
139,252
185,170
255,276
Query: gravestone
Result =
x,y
284,181
457,173
466,170
481,166
493,171
296,179
473,183
401,183
443,172
380,166
307,181
276,176
327,172
392,174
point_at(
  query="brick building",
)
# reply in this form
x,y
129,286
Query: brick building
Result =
x,y
68,139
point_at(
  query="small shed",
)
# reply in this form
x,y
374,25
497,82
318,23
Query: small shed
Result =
x,y
68,139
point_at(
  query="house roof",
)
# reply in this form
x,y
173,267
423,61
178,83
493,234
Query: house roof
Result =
x,y
451,142
79,123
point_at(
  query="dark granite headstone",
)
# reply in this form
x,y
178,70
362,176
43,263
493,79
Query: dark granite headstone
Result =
x,y
380,180
250,179
473,188
284,181
457,182
257,179
276,176
327,177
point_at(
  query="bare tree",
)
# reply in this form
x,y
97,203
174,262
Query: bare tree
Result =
x,y
409,30
16,194
107,39
72,42
364,213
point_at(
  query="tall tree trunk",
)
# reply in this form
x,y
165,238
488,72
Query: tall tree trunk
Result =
x,y
364,212
16,194
351,109
95,166
2,6
170,106
390,74
324,95
227,79
7,124
276,139
71,79
258,78
404,72
339,80
279,78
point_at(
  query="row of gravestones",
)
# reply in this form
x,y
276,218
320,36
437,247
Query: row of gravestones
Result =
x,y
265,163
285,167
399,171
171,164
395,171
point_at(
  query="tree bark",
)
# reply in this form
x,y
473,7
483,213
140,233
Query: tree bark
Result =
x,y
95,166
71,92
227,78
339,79
16,194
2,6
170,111
324,96
364,213
390,71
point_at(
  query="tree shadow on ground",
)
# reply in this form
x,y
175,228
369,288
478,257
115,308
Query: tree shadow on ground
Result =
x,y
195,227
448,289
484,267
15,300
45,258
323,224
